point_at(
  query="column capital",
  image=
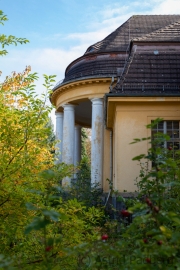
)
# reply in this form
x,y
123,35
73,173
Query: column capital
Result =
x,y
97,101
59,114
69,107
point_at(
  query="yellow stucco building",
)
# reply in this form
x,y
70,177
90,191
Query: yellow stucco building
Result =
x,y
116,88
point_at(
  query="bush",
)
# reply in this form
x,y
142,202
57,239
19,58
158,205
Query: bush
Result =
x,y
152,240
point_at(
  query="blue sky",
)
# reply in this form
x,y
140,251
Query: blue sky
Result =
x,y
60,31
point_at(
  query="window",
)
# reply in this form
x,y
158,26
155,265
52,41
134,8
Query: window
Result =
x,y
171,128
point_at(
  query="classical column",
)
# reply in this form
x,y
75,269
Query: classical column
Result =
x,y
68,137
77,145
59,135
68,133
77,148
97,141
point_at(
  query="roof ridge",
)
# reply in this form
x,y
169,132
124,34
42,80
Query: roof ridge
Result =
x,y
141,25
101,42
118,29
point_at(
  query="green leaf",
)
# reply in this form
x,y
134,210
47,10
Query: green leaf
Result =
x,y
31,206
120,199
176,220
154,123
139,157
136,140
38,223
48,174
53,215
166,231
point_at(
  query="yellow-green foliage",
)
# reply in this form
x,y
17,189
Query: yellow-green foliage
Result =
x,y
37,228
24,151
81,224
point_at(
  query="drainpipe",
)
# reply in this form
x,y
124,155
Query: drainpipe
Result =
x,y
111,162
111,154
111,147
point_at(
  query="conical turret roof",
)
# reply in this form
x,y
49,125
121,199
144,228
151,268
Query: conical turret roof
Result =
x,y
103,58
136,26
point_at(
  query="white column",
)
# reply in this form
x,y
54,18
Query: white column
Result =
x,y
68,133
77,145
97,141
68,137
59,135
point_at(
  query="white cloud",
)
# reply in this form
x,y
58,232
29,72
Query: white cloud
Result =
x,y
166,7
47,60
116,10
111,17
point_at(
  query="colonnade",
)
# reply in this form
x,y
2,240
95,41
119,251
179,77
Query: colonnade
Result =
x,y
69,136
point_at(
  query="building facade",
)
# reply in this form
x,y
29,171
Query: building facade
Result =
x,y
116,88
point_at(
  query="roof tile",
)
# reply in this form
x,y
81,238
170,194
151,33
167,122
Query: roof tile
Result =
x,y
136,26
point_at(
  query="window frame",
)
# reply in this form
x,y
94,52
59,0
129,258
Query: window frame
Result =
x,y
165,129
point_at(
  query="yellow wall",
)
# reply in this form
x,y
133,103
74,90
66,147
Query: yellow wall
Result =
x,y
128,117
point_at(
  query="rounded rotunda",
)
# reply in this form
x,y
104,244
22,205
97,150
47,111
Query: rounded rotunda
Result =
x,y
115,88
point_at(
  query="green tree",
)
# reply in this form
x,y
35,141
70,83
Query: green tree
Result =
x,y
36,225
24,150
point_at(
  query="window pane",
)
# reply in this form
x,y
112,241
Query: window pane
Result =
x,y
154,127
171,128
160,125
169,144
175,124
176,133
169,125
176,145
170,134
153,133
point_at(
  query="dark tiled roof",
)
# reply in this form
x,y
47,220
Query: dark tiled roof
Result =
x,y
136,26
104,57
170,33
105,66
150,71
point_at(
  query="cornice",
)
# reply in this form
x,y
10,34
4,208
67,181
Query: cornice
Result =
x,y
72,85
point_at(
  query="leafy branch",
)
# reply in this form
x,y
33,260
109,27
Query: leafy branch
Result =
x,y
8,40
